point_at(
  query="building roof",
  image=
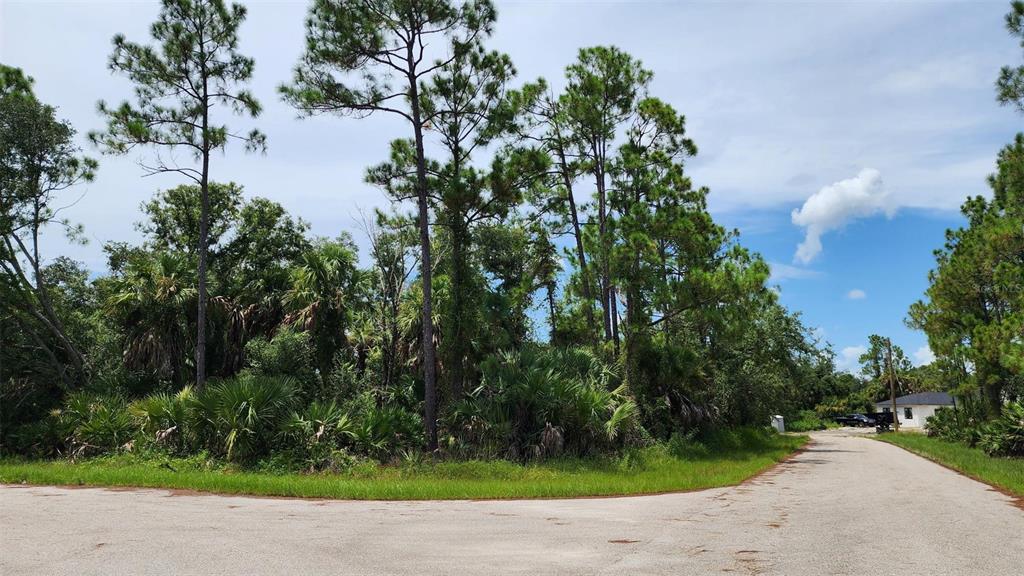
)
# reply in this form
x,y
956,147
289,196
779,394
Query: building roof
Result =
x,y
920,399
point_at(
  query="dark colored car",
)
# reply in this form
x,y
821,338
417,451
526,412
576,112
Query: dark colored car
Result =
x,y
883,421
856,420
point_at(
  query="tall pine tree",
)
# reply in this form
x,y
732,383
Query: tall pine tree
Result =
x,y
386,42
179,83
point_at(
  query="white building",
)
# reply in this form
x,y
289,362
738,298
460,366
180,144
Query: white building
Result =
x,y
914,410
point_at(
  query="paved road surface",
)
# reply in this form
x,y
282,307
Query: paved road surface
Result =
x,y
848,505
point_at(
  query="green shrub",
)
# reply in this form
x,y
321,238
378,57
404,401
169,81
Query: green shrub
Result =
x,y
942,424
316,432
288,353
167,419
710,442
388,430
687,446
24,406
806,421
344,381
543,403
1004,436
241,417
42,438
856,403
963,424
95,424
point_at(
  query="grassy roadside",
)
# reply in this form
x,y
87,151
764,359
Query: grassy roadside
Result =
x,y
1005,473
647,471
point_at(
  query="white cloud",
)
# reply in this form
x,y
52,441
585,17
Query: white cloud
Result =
x,y
761,100
856,294
923,355
781,272
835,205
847,360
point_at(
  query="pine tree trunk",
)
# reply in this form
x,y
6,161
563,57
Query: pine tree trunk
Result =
x,y
614,305
201,312
992,391
456,362
602,216
581,254
551,311
632,337
429,354
204,236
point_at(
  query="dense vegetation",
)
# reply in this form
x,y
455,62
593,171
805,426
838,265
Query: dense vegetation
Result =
x,y
558,289
1002,435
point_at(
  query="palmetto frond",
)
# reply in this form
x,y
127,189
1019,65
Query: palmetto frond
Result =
x,y
153,301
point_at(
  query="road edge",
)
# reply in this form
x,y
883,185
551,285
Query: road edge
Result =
x,y
1016,500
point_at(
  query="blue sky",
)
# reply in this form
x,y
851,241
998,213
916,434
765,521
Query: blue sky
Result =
x,y
874,120
863,284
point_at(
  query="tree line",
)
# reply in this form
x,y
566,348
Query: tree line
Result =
x,y
973,310
558,286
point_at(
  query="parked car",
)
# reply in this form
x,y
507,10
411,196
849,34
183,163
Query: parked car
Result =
x,y
883,421
856,420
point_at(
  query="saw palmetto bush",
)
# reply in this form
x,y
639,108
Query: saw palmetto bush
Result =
x,y
318,422
167,419
388,430
93,424
240,418
540,403
1004,436
316,432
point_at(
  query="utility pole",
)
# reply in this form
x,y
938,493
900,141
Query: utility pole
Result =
x,y
892,384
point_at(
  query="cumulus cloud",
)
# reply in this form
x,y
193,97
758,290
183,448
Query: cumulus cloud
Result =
x,y
856,294
835,205
923,355
848,359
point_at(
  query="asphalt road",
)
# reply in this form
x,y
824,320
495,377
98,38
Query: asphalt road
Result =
x,y
847,505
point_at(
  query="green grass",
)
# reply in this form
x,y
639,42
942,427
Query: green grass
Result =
x,y
678,467
1005,473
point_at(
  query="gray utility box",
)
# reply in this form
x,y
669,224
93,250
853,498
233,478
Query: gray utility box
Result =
x,y
778,422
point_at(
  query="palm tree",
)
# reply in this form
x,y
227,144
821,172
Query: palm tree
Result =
x,y
322,297
154,302
410,325
364,337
